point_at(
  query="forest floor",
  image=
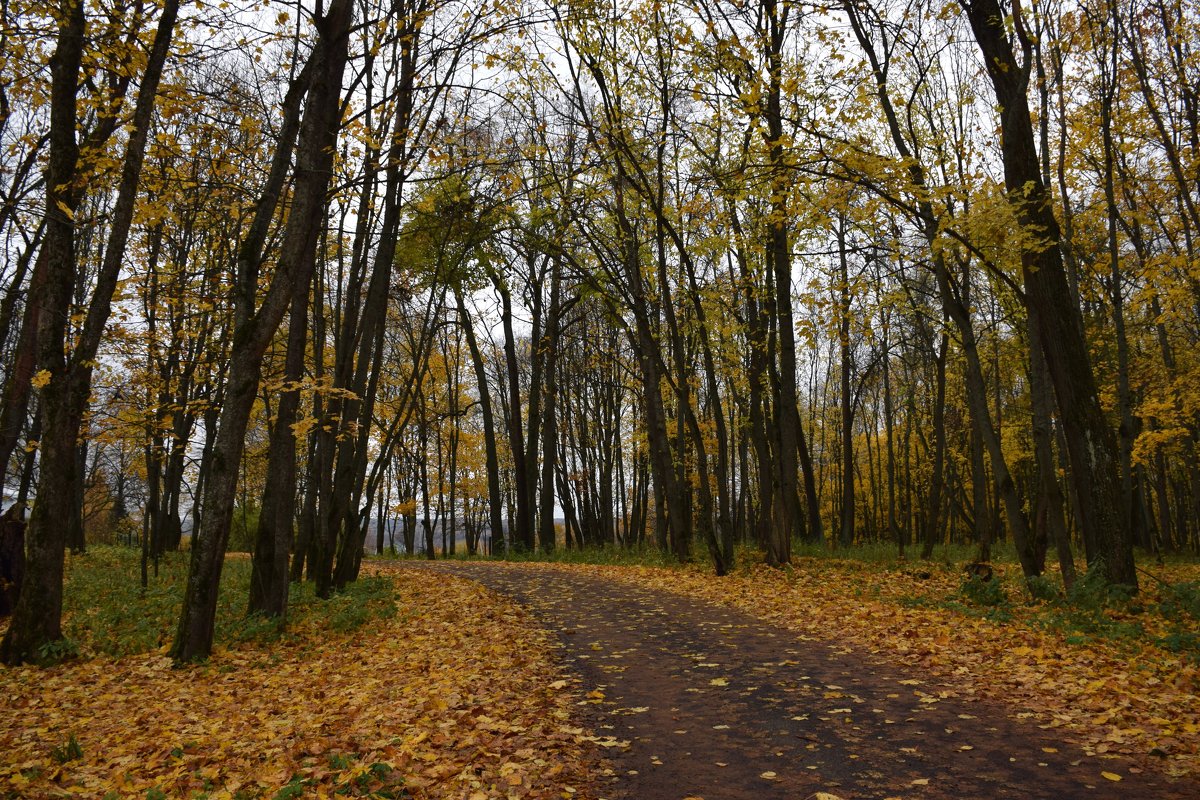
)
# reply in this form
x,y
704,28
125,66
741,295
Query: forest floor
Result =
x,y
814,683
833,679
455,694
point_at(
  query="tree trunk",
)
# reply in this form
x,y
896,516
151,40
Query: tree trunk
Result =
x,y
787,518
846,534
894,529
273,539
522,536
254,329
931,529
550,347
492,459
1050,503
37,617
1091,445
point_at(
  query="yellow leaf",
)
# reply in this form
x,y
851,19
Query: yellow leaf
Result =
x,y
41,379
1112,776
719,682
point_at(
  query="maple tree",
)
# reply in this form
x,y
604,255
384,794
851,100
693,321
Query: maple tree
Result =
x,y
254,322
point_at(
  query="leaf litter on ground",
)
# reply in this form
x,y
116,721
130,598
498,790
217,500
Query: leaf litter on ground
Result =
x,y
457,694
451,697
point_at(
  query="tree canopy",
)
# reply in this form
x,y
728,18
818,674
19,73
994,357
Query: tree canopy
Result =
x,y
429,275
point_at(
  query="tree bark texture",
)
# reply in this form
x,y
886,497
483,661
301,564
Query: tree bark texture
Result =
x,y
314,162
1091,445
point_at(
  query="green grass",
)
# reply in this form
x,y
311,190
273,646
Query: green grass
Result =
x,y
1163,613
106,610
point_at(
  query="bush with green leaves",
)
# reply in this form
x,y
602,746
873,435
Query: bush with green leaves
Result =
x,y
57,651
1042,589
1180,600
983,592
1093,591
243,528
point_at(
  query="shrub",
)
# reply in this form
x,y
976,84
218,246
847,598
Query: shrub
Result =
x,y
57,651
1181,599
1042,588
1094,592
983,592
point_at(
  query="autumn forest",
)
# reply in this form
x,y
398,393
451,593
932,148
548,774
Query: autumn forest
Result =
x,y
726,284
681,275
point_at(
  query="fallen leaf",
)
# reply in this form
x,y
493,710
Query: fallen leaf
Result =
x,y
259,717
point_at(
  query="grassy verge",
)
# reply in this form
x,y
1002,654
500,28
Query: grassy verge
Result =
x,y
107,612
1165,613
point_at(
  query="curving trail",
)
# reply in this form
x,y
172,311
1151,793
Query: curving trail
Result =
x,y
695,701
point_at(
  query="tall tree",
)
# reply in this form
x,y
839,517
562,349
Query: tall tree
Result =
x,y
66,379
1090,441
255,326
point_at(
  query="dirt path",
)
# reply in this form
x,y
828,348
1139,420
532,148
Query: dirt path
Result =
x,y
706,702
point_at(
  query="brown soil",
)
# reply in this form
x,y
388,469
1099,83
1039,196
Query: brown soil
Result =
x,y
707,702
